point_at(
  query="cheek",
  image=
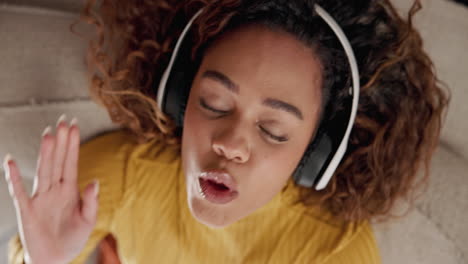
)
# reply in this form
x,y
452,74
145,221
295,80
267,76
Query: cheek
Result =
x,y
280,164
196,136
272,170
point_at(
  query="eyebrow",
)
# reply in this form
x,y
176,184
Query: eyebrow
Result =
x,y
281,105
270,102
217,76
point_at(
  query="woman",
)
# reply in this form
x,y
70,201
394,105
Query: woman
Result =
x,y
266,79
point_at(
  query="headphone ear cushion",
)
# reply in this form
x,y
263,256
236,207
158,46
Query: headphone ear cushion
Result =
x,y
178,90
314,161
179,83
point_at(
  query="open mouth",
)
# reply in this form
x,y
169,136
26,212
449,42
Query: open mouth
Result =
x,y
217,187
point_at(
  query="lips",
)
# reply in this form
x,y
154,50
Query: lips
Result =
x,y
220,177
217,186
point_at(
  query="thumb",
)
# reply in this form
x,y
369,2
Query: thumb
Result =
x,y
90,202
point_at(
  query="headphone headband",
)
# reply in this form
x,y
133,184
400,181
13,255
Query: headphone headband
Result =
x,y
355,92
335,160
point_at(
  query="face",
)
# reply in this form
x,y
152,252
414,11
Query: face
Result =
x,y
252,110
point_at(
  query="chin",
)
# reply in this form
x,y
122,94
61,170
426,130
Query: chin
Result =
x,y
209,215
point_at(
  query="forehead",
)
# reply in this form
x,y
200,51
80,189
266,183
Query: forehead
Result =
x,y
267,63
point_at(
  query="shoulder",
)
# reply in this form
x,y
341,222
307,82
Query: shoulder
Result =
x,y
104,158
121,144
124,165
327,239
109,142
345,243
360,247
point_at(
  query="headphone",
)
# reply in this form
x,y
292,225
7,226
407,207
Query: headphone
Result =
x,y
321,157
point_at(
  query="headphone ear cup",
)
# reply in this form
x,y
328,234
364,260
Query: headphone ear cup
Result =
x,y
178,90
179,83
314,161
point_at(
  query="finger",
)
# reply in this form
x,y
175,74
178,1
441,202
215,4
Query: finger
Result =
x,y
15,185
60,150
108,249
44,162
70,170
90,202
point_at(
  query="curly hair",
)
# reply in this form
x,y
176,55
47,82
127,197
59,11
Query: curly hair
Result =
x,y
402,103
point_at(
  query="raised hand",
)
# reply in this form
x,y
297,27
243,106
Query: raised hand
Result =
x,y
55,222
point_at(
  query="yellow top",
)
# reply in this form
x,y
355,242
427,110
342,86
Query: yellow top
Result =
x,y
143,203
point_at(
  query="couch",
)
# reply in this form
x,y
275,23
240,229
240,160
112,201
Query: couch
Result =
x,y
42,75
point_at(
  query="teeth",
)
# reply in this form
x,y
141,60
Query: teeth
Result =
x,y
217,180
200,191
202,194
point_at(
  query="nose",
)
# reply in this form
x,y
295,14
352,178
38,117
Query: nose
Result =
x,y
232,144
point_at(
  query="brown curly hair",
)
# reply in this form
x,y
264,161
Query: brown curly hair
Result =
x,y
402,103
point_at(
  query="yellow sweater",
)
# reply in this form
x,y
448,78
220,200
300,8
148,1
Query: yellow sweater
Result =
x,y
143,203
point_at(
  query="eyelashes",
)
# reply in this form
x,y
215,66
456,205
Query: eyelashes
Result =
x,y
279,139
212,109
276,138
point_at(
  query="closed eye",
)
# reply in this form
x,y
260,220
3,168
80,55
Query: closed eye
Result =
x,y
274,137
210,108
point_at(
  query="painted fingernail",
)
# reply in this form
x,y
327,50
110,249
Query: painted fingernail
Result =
x,y
74,121
46,131
61,118
6,161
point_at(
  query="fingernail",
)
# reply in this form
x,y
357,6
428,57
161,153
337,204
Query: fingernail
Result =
x,y
74,121
7,158
61,118
96,187
46,131
6,161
